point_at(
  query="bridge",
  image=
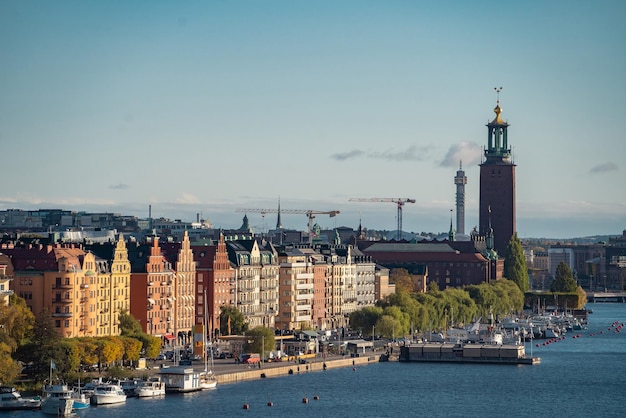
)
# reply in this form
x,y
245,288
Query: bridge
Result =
x,y
599,297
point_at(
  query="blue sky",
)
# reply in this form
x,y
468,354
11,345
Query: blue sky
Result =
x,y
210,106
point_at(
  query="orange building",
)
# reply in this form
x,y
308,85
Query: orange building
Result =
x,y
152,292
53,278
215,276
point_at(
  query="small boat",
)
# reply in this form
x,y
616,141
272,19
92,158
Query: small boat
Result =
x,y
108,393
57,400
80,398
128,386
208,381
149,388
11,400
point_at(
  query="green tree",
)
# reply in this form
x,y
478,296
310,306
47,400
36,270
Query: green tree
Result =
x,y
232,322
132,348
129,326
386,326
402,279
563,280
515,268
364,319
401,321
150,345
9,368
260,340
43,347
16,322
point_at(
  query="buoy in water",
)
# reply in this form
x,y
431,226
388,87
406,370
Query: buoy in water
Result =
x,y
316,398
246,406
305,400
354,369
270,403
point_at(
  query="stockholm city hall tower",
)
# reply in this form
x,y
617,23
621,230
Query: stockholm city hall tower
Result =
x,y
497,185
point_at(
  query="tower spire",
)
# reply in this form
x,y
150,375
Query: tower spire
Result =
x,y
451,231
279,224
497,184
460,180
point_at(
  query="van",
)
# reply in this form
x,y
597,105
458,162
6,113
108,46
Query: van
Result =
x,y
250,358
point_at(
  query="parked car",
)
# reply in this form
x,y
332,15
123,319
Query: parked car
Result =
x,y
250,358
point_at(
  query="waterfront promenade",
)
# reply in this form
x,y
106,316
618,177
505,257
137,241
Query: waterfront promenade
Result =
x,y
227,371
267,370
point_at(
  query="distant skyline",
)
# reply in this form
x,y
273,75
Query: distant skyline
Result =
x,y
210,106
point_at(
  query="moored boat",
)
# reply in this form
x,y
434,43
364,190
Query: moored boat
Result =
x,y
149,388
108,393
208,381
12,400
57,400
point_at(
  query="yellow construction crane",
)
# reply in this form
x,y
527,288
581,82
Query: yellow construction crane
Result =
x,y
398,202
309,213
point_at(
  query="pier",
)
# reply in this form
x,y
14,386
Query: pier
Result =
x,y
285,369
606,297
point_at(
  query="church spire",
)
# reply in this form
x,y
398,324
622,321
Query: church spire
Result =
x,y
451,231
279,224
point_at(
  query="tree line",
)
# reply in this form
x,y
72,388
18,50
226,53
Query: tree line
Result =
x,y
30,344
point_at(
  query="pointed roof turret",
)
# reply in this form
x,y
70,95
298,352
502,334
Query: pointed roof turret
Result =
x,y
279,224
451,232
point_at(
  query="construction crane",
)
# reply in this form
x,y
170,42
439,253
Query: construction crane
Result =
x,y
309,213
398,202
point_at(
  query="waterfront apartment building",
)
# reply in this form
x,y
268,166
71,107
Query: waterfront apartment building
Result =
x,y
5,279
215,278
152,288
184,290
296,284
65,281
113,289
256,287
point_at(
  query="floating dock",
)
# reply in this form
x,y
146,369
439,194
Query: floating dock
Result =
x,y
466,353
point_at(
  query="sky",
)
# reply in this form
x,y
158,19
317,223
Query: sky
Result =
x,y
210,107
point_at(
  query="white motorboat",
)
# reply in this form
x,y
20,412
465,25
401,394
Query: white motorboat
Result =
x,y
108,393
12,400
57,400
149,388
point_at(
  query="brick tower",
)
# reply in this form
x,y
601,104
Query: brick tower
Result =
x,y
497,184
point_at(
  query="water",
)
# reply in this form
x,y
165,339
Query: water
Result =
x,y
577,377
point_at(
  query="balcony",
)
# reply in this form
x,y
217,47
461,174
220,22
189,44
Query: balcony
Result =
x,y
84,286
303,307
304,286
62,315
63,286
64,301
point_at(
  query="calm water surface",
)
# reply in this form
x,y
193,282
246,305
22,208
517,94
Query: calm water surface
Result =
x,y
577,377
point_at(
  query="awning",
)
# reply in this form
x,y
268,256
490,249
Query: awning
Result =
x,y
169,336
151,301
